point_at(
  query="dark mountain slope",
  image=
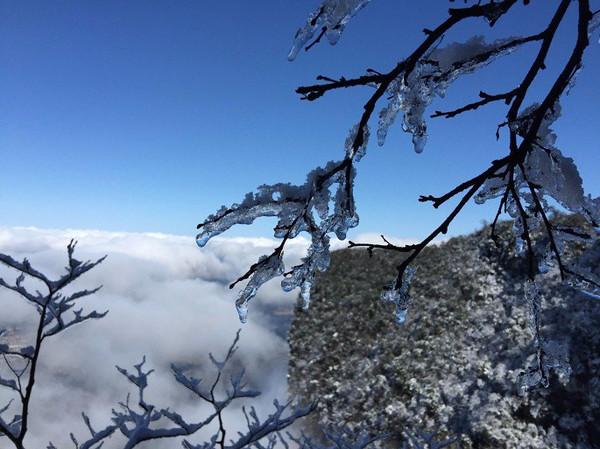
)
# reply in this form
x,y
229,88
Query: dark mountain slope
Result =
x,y
452,367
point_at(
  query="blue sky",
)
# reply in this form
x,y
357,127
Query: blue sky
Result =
x,y
148,115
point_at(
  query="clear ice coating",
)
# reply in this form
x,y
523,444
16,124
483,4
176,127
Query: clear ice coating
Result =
x,y
553,356
533,298
268,267
545,166
546,262
550,355
557,179
317,259
431,77
305,294
329,19
400,296
324,204
360,151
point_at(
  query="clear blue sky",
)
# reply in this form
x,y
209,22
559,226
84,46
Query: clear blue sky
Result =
x,y
149,115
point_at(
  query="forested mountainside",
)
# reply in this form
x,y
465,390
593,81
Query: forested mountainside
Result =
x,y
453,366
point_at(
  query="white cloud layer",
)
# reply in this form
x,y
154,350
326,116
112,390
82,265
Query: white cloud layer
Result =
x,y
167,300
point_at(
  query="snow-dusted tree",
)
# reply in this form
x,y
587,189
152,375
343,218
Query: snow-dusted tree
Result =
x,y
533,171
135,421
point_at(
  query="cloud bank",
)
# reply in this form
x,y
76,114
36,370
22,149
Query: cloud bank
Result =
x,y
167,300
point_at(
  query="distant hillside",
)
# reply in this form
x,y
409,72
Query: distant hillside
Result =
x,y
453,365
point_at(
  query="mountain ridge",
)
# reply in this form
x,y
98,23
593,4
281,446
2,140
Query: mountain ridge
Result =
x,y
453,366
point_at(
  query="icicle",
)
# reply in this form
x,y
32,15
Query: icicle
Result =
x,y
400,297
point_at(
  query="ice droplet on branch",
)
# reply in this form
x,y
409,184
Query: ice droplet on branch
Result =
x,y
400,296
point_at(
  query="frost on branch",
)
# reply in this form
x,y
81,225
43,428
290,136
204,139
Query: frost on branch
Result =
x,y
329,19
142,421
56,312
324,204
431,77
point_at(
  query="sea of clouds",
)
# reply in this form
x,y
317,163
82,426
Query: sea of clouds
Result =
x,y
168,300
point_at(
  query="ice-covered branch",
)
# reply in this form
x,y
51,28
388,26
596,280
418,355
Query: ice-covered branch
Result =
x,y
324,204
533,174
328,20
535,162
295,206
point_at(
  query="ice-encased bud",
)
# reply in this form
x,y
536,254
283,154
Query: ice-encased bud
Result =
x,y
242,310
347,222
553,357
419,142
556,358
202,239
400,296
